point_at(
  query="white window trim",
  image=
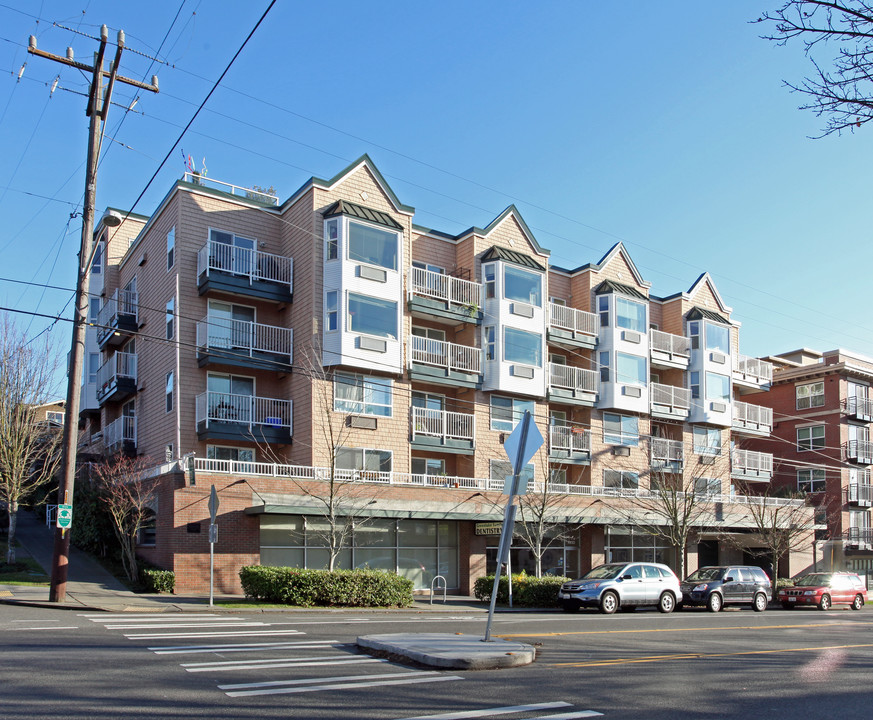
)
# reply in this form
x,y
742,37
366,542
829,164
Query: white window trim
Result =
x,y
346,235
398,320
620,433
361,378
811,448
513,411
809,397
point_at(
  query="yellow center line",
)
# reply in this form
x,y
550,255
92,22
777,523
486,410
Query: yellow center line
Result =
x,y
702,656
662,630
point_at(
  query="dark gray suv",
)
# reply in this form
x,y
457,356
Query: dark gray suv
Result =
x,y
717,586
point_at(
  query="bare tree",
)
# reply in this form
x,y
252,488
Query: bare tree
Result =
x,y
540,528
782,524
127,492
29,446
842,94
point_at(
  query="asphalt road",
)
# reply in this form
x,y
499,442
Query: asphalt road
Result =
x,y
737,664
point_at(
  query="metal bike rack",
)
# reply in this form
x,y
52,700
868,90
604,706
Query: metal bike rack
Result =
x,y
441,585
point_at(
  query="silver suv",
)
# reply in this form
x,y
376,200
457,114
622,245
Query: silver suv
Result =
x,y
623,585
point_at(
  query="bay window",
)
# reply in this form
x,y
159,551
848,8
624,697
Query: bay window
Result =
x,y
373,245
630,369
630,315
522,285
523,347
372,316
718,337
718,387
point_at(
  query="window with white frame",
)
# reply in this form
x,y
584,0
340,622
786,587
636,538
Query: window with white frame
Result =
x,y
604,366
707,486
694,333
430,268
362,394
54,416
522,285
489,279
621,479
236,454
603,310
809,395
97,262
363,459
93,366
557,359
718,337
811,437
718,387
811,480
621,429
630,369
168,393
558,476
170,317
93,309
506,412
707,440
171,248
331,310
372,316
501,469
331,237
629,314
428,466
373,245
490,333
694,384
521,346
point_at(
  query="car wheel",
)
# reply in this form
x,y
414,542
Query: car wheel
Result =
x,y
760,603
858,602
787,606
825,602
608,603
666,603
714,602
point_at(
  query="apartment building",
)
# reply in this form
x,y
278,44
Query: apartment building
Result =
x,y
326,356
823,410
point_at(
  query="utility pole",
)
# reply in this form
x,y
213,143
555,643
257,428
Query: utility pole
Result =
x,y
97,109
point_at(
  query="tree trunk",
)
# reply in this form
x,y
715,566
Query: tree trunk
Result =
x,y
13,521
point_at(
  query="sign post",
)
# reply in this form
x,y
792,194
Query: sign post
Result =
x,y
520,447
213,538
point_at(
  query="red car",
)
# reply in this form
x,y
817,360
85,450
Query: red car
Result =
x,y
824,590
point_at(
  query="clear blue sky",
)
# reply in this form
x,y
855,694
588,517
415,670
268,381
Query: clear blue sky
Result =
x,y
664,125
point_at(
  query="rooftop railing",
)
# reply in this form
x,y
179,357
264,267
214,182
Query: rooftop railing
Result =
x,y
231,189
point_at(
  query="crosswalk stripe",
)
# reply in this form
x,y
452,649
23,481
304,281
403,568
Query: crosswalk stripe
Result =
x,y
187,625
568,716
244,647
345,686
256,662
296,664
345,678
230,633
156,616
505,710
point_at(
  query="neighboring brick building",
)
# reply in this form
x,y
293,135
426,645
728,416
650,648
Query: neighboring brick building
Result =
x,y
823,409
239,334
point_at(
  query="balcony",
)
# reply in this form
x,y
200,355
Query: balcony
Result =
x,y
752,419
752,466
669,351
568,444
244,344
243,271
669,402
443,363
120,436
118,319
751,374
443,298
443,431
667,456
116,378
571,327
860,494
859,408
860,451
860,538
225,416
572,385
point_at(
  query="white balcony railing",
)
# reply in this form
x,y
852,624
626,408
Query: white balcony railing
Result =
x,y
752,370
238,190
567,377
567,438
861,493
751,463
442,424
859,406
445,355
119,365
562,317
243,336
676,346
670,396
440,286
122,302
861,536
245,262
752,417
119,431
666,451
860,450
243,410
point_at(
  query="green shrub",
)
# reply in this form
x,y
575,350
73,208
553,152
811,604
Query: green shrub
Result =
x,y
337,588
159,581
527,590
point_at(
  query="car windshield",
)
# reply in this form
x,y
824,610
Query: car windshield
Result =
x,y
604,572
707,573
813,580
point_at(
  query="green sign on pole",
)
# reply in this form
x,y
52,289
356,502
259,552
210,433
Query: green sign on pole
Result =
x,y
65,516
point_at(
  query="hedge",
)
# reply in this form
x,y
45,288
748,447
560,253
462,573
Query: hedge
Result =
x,y
337,588
527,590
159,581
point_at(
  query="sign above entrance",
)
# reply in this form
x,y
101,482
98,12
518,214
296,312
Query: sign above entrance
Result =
x,y
487,528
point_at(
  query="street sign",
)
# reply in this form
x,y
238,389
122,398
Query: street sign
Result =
x,y
525,432
213,533
213,505
65,516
